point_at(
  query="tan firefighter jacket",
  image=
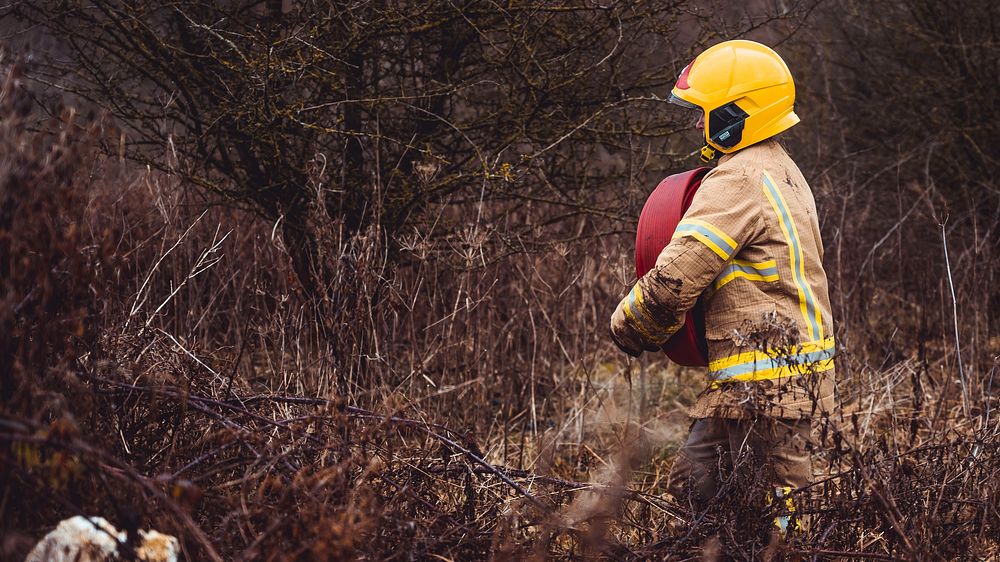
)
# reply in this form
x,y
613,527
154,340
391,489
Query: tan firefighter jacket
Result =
x,y
750,247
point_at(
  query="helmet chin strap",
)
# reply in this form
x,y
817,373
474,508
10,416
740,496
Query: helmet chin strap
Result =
x,y
707,154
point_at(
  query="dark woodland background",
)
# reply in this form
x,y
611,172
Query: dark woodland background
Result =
x,y
331,280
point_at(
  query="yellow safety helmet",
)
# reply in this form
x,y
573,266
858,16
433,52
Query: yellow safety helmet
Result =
x,y
745,90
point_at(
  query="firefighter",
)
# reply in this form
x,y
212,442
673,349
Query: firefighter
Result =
x,y
749,247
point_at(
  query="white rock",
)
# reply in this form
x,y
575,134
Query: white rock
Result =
x,y
93,539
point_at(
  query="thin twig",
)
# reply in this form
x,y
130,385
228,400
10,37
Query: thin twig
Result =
x,y
954,311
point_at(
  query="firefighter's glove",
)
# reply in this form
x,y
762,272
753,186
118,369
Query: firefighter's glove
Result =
x,y
625,336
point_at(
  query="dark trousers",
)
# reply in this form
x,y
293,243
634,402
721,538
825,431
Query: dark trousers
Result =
x,y
715,445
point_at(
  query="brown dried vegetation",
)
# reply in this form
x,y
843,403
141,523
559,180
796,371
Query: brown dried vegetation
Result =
x,y
376,329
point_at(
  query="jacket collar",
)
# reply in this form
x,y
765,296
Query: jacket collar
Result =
x,y
766,144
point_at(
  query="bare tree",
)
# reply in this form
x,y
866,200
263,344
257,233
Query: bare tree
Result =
x,y
330,118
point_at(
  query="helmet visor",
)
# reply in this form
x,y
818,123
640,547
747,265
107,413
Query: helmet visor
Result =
x,y
683,103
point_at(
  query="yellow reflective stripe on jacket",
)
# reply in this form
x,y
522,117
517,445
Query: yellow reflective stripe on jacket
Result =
x,y
709,235
639,315
809,357
753,271
807,303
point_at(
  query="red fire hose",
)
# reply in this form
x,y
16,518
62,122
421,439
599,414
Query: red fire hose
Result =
x,y
657,222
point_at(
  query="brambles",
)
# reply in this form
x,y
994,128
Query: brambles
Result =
x,y
163,364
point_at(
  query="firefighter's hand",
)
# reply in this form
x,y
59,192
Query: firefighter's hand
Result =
x,y
627,338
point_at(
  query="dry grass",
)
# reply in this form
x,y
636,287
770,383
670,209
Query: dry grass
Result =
x,y
163,368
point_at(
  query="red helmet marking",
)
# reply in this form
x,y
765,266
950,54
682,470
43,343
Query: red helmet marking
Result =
x,y
682,80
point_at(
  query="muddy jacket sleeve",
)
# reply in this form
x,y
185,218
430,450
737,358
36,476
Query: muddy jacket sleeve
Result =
x,y
724,216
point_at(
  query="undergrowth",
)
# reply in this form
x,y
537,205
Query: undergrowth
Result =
x,y
162,366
